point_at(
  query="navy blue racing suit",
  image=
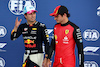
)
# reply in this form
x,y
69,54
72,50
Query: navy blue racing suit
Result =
x,y
34,35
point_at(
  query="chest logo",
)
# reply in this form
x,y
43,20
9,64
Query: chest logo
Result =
x,y
66,31
65,40
28,41
55,37
25,29
34,28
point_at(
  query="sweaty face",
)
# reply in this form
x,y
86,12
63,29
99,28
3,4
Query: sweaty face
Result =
x,y
58,18
31,17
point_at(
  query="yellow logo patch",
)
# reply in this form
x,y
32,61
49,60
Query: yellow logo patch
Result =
x,y
55,37
34,28
47,35
66,31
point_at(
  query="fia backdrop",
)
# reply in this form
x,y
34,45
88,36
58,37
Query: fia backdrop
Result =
x,y
84,13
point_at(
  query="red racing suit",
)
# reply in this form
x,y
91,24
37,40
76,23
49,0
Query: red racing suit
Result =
x,y
65,37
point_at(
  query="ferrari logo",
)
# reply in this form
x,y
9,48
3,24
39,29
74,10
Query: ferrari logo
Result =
x,y
66,31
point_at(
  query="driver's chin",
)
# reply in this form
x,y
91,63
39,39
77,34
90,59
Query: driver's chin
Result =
x,y
57,22
32,20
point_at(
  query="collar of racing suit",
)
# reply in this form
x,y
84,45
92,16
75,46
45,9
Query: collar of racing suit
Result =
x,y
65,23
32,24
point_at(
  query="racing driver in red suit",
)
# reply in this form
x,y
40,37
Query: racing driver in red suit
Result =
x,y
66,35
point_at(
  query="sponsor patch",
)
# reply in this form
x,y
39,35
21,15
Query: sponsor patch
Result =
x,y
34,28
66,31
55,37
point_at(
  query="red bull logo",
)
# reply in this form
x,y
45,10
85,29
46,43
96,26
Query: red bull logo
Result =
x,y
30,46
29,43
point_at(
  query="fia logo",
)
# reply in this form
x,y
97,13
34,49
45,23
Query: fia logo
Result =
x,y
3,31
2,62
98,11
17,6
91,35
90,64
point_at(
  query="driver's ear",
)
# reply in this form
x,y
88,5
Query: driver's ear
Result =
x,y
65,14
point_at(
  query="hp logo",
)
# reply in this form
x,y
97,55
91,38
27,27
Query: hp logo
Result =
x,y
91,35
